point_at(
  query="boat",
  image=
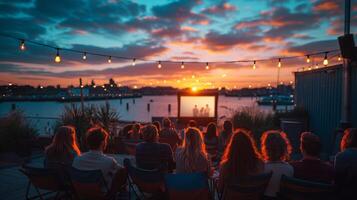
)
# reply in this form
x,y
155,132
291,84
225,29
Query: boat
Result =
x,y
282,100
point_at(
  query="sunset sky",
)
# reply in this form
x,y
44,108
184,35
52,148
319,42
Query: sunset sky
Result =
x,y
180,30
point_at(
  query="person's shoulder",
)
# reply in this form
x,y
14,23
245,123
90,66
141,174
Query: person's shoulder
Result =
x,y
164,146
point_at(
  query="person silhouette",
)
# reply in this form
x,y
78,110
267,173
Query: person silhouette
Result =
x,y
195,111
206,111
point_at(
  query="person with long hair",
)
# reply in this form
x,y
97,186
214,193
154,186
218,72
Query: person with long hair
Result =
x,y
211,140
63,148
276,150
240,159
192,156
346,165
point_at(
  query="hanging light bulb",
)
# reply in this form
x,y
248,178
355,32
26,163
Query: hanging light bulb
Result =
x,y
133,62
110,59
308,59
339,58
84,56
58,57
22,45
279,63
325,59
159,65
316,66
254,65
207,66
182,66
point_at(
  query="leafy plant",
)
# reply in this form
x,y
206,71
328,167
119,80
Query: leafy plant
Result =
x,y
16,133
91,115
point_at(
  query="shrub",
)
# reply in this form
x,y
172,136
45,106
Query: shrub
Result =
x,y
102,115
254,119
16,133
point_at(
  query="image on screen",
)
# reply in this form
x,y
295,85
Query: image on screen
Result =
x,y
197,106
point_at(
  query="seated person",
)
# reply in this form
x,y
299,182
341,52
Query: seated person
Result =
x,y
211,140
192,156
241,158
151,154
63,148
168,134
276,151
346,165
311,168
135,132
95,159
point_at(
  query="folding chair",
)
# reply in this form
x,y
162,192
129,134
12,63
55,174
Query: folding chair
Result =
x,y
148,182
187,186
296,189
89,184
50,180
248,188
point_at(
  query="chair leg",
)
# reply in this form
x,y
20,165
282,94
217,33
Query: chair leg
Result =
x,y
28,190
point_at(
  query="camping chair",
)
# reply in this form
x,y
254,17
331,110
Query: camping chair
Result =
x,y
187,186
50,180
147,182
296,189
89,184
248,188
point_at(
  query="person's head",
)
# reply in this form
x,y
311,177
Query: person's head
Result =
x,y
275,146
192,124
193,148
211,130
241,156
136,128
63,142
228,126
206,105
310,144
157,124
349,139
97,138
150,133
166,122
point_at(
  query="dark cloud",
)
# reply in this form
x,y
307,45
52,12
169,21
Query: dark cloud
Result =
x,y
314,46
178,11
218,41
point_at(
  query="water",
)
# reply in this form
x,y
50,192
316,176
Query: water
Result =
x,y
137,111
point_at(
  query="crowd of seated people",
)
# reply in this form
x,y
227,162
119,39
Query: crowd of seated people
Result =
x,y
235,152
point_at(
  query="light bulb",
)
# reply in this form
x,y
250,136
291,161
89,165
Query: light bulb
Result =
x,y
110,59
207,66
58,57
308,59
254,65
182,66
279,63
84,56
22,45
159,65
339,58
325,59
133,62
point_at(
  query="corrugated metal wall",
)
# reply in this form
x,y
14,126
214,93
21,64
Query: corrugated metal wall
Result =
x,y
319,92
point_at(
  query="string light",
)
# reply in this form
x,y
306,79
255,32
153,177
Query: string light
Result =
x,y
254,65
279,63
308,58
84,56
110,59
159,65
339,58
22,45
133,64
207,66
58,57
182,66
316,66
325,59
